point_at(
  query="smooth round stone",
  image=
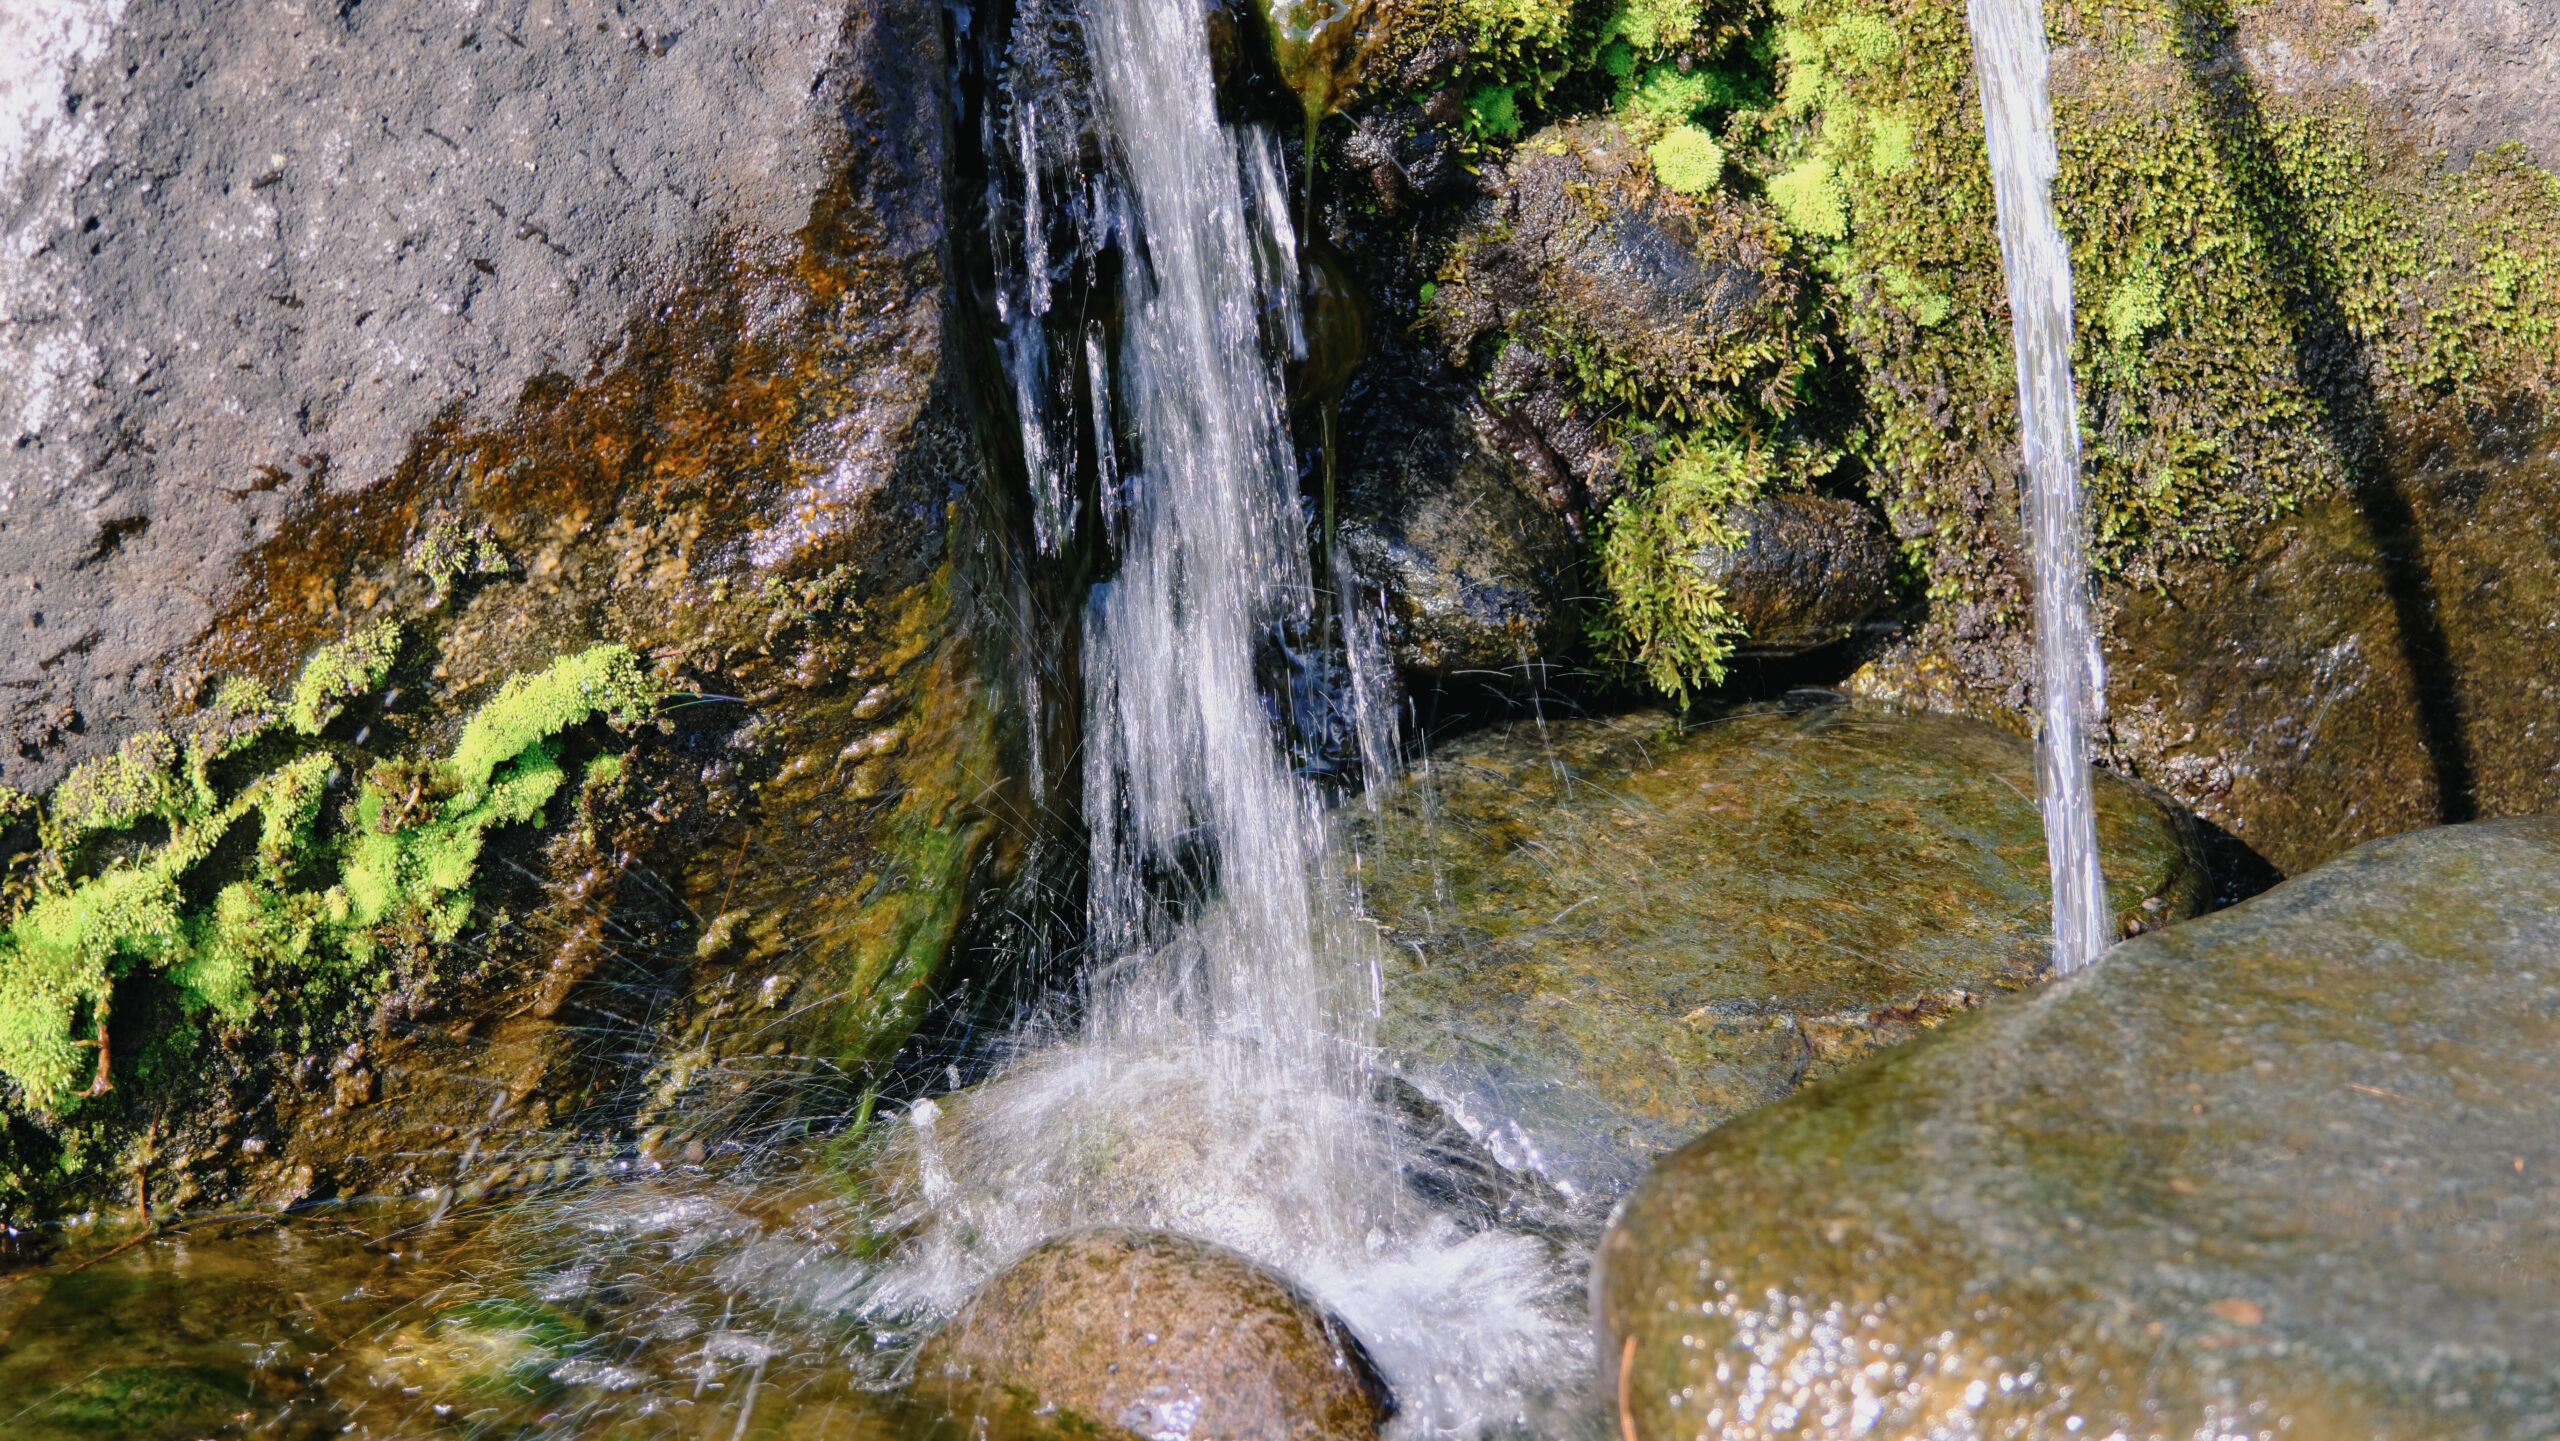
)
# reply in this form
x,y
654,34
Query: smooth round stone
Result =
x,y
1606,936
2292,1169
1122,1333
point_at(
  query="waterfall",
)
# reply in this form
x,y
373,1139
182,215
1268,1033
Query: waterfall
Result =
x,y
1215,1076
2017,112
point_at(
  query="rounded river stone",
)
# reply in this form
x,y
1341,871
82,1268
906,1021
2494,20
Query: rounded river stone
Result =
x,y
1143,1333
2292,1169
1606,936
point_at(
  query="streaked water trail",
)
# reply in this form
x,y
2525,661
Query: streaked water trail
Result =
x,y
2017,110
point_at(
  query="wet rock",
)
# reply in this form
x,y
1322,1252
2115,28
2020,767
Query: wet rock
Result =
x,y
1408,158
1808,570
1605,936
1475,564
1146,1333
2366,665
1684,303
531,335
2291,1169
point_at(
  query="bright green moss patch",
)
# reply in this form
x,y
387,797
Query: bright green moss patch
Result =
x,y
298,904
341,672
1688,160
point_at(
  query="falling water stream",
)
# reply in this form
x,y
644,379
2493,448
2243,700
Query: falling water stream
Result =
x,y
1217,1078
2017,111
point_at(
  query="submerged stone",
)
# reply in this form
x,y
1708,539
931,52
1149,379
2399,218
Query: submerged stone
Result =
x,y
1120,1333
1604,937
2293,1169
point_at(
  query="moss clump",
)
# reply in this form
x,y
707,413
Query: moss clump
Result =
x,y
447,553
1666,614
341,672
1688,160
408,859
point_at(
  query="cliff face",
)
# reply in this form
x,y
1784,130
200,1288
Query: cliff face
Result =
x,y
476,337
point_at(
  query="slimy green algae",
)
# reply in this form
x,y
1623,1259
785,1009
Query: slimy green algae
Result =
x,y
300,904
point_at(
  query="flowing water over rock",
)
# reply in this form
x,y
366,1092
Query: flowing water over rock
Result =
x,y
1215,1080
1607,936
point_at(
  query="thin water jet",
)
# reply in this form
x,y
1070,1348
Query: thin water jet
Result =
x,y
2017,111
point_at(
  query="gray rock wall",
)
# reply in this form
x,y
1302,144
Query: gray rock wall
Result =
x,y
247,252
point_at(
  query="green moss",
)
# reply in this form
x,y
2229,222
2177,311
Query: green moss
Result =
x,y
1493,112
1666,615
528,708
2231,247
447,553
66,954
1808,197
341,672
1688,160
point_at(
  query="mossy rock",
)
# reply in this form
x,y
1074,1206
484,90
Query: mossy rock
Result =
x,y
1677,305
2290,1169
1120,1333
1606,936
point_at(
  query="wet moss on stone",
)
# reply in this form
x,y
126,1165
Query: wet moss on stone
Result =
x,y
94,926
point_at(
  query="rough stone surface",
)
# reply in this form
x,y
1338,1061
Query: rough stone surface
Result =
x,y
2468,74
1477,567
656,305
251,255
1144,1333
1605,937
1808,570
2290,1169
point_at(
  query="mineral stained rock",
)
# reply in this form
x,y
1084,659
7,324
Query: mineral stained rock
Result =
x,y
527,331
1604,937
2289,1169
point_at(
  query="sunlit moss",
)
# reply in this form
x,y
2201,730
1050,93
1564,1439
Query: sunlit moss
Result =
x,y
1666,614
341,672
1688,160
64,954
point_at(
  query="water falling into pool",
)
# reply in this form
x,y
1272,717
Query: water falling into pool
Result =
x,y
2017,111
1216,1078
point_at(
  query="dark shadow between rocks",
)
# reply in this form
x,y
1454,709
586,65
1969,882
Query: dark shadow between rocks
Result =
x,y
2331,364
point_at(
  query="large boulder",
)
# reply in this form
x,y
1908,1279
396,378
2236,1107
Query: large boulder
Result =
x,y
1124,1333
2290,1169
1604,937
396,352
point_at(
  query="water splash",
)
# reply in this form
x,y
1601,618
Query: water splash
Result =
x,y
2017,111
1216,1077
